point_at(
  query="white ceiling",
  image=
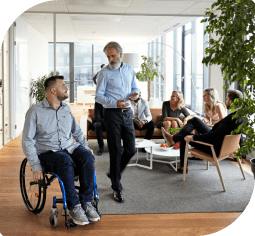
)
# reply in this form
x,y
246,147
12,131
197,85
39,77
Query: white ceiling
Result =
x,y
99,21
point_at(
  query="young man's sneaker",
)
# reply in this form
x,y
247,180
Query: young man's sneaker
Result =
x,y
117,195
91,212
78,215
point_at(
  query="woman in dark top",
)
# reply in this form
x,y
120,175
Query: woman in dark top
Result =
x,y
171,111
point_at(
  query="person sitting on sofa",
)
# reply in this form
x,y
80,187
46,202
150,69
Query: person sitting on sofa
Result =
x,y
214,135
142,116
171,111
215,110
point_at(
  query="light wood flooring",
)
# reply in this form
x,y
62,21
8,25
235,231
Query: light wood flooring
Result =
x,y
17,220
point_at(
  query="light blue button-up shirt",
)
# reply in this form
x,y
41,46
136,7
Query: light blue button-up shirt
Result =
x,y
114,85
47,129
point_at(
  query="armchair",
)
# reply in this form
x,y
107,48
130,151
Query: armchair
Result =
x,y
229,147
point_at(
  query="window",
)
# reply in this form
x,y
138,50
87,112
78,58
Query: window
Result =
x,y
189,74
78,63
156,49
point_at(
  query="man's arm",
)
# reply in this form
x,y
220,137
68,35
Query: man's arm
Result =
x,y
78,134
28,144
146,110
98,112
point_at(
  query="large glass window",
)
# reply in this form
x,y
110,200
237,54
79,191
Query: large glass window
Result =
x,y
156,51
78,61
189,74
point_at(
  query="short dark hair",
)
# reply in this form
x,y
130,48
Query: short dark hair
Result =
x,y
233,94
51,81
102,66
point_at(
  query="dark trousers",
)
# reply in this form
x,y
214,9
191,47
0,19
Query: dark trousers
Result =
x,y
99,128
200,127
67,166
150,129
119,126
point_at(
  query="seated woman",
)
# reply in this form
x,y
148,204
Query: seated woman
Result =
x,y
171,110
215,110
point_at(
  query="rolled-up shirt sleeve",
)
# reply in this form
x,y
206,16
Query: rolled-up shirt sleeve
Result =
x,y
28,141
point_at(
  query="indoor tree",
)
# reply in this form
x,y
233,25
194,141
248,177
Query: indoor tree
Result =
x,y
234,51
149,69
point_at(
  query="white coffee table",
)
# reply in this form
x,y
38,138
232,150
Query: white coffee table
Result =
x,y
169,152
143,143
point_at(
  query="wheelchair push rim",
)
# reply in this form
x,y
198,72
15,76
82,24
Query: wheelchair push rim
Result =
x,y
33,192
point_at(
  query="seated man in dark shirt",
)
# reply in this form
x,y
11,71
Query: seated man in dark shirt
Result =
x,y
214,135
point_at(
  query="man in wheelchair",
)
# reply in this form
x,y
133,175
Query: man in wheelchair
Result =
x,y
48,144
213,135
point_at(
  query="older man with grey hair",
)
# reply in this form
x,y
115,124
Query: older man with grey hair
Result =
x,y
116,87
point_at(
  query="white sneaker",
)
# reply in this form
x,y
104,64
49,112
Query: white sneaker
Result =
x,y
78,215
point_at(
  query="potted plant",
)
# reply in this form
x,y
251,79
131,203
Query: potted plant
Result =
x,y
37,87
149,69
234,51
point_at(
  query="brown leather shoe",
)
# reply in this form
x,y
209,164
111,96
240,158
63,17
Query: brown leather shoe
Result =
x,y
180,169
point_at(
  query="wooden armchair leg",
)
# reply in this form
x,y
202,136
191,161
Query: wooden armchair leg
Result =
x,y
207,165
219,172
240,165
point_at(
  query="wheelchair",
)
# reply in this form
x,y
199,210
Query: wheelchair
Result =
x,y
34,194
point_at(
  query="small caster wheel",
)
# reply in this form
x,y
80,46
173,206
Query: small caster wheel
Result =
x,y
54,220
54,211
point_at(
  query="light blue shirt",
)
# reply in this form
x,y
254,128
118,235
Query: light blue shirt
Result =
x,y
47,129
114,85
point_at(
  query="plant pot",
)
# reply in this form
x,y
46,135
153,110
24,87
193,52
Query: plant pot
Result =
x,y
253,166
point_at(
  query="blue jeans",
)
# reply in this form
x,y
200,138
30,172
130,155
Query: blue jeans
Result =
x,y
119,126
67,166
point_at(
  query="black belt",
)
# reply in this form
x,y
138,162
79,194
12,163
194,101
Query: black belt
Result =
x,y
126,109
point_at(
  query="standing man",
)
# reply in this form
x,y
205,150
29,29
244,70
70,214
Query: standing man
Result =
x,y
95,77
142,116
116,85
99,121
47,142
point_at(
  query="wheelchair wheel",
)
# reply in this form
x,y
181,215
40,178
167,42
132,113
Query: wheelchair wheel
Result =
x,y
33,192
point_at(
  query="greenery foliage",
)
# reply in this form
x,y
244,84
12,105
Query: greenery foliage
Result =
x,y
37,87
149,69
174,130
234,51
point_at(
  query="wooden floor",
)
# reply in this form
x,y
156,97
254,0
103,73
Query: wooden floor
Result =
x,y
17,220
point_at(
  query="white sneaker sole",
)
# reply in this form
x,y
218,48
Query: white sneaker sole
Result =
x,y
79,222
94,219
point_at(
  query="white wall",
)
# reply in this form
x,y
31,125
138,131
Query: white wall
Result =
x,y
215,75
31,59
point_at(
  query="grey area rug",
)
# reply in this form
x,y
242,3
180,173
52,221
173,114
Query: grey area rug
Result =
x,y
161,190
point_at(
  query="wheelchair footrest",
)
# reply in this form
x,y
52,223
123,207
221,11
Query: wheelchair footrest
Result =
x,y
70,224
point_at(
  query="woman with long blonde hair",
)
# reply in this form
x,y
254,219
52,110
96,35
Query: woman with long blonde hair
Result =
x,y
171,111
214,109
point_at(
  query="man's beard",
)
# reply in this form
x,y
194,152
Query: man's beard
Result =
x,y
114,65
62,97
